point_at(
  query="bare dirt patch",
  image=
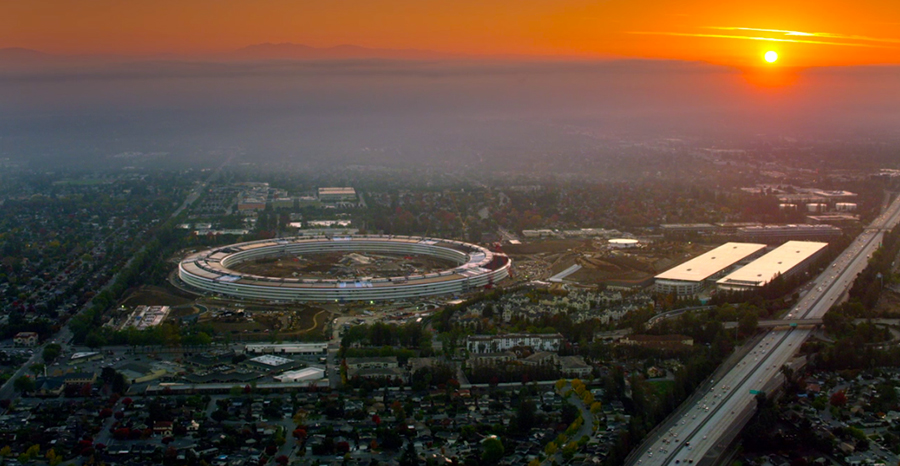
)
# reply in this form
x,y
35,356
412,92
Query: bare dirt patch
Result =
x,y
596,275
258,322
888,305
343,265
544,247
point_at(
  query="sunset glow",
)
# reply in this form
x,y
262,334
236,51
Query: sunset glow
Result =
x,y
697,30
771,56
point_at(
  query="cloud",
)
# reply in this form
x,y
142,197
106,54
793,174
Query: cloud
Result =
x,y
826,35
756,38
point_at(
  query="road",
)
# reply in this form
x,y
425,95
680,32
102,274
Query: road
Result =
x,y
64,335
586,429
702,429
198,191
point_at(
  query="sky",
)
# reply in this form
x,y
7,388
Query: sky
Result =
x,y
805,33
656,69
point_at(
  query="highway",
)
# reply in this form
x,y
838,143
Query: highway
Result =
x,y
701,429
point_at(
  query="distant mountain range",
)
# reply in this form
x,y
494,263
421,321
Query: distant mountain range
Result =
x,y
290,51
20,55
258,52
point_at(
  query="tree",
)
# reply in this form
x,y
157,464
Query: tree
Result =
x,y
551,448
33,451
24,384
588,398
409,457
492,449
747,323
839,398
569,450
37,369
119,384
51,352
525,415
219,415
52,458
94,340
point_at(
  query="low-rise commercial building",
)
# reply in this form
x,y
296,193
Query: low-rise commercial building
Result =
x,y
658,341
354,364
574,366
26,339
788,259
498,343
777,234
288,348
302,375
337,194
690,277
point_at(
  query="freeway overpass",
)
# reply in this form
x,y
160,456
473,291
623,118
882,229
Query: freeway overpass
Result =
x,y
701,429
775,323
780,323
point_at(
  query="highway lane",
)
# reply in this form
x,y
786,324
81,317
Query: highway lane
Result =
x,y
698,433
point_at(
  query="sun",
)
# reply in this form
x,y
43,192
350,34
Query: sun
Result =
x,y
771,56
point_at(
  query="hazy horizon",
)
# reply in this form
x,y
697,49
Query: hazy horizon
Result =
x,y
384,111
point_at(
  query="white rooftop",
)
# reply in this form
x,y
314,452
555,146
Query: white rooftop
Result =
x,y
270,360
706,265
778,261
309,373
259,347
337,190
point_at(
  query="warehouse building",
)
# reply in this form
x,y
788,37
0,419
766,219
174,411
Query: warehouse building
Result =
x,y
690,277
288,348
308,374
680,230
337,194
788,259
777,234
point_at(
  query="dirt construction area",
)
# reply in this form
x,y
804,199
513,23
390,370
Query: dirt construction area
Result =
x,y
343,265
259,322
888,306
599,263
241,321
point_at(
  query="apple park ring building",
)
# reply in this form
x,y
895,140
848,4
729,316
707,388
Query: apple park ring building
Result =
x,y
476,267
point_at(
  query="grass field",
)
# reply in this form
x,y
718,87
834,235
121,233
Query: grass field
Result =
x,y
154,296
662,387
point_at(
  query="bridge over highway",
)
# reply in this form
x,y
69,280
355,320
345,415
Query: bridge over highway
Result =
x,y
810,322
701,429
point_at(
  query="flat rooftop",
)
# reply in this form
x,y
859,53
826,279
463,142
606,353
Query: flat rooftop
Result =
x,y
309,372
778,261
706,265
272,361
337,190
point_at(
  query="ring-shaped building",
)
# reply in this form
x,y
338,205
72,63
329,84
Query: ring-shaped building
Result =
x,y
476,267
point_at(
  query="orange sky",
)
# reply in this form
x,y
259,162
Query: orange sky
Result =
x,y
847,33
